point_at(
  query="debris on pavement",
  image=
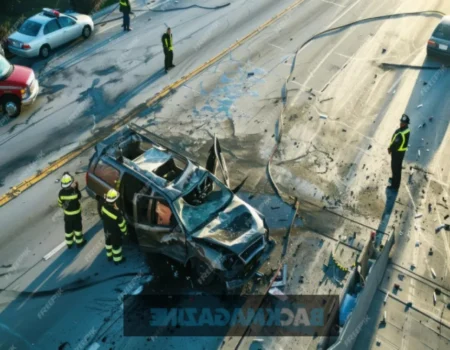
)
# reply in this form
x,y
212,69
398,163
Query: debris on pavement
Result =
x,y
277,293
281,279
440,227
429,208
433,273
250,74
430,252
420,106
418,216
383,51
446,217
323,116
325,100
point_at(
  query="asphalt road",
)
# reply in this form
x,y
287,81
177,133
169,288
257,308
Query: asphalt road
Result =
x,y
69,297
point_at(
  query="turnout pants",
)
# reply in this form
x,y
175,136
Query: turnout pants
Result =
x,y
396,166
113,245
74,229
126,20
168,59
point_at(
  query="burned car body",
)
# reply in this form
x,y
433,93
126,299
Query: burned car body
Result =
x,y
179,208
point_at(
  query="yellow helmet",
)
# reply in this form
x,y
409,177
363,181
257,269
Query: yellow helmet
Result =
x,y
66,180
112,196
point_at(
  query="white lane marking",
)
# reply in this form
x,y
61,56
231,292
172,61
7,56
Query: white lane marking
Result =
x,y
333,3
276,46
331,51
94,346
54,251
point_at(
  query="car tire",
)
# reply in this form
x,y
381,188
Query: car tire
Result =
x,y
44,52
87,31
202,274
11,106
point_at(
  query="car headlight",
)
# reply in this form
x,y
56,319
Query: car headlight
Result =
x,y
25,92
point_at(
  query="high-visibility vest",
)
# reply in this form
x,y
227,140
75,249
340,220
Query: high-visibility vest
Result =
x,y
123,3
169,42
403,147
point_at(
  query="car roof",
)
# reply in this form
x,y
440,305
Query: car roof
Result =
x,y
446,20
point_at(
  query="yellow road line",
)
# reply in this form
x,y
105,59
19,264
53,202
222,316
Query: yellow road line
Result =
x,y
26,184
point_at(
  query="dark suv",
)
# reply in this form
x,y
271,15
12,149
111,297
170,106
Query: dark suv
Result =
x,y
180,209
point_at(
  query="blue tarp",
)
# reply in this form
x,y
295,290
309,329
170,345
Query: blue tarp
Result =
x,y
346,308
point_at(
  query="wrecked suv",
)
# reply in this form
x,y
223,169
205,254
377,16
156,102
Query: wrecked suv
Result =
x,y
180,209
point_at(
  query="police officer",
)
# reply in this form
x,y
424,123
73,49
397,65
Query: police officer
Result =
x,y
114,226
69,199
125,8
397,150
168,49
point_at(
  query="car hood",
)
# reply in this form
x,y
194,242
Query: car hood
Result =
x,y
235,228
20,76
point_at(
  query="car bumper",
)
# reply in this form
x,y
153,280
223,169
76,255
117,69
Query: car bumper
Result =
x,y
23,53
438,52
239,282
30,99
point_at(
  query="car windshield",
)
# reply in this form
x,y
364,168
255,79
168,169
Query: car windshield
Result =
x,y
30,28
442,32
5,67
202,203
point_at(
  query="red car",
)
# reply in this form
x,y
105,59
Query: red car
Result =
x,y
18,86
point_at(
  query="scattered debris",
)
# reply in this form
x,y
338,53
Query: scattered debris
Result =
x,y
386,297
250,74
429,208
323,116
430,251
418,152
434,298
325,100
344,130
446,217
433,273
418,216
440,227
383,51
370,146
430,119
277,293
420,106
281,279
425,83
417,243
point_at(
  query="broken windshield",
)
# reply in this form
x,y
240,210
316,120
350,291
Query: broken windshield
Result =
x,y
203,203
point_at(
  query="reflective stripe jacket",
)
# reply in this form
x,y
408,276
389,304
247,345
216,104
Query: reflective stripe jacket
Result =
x,y
399,142
69,200
125,6
113,220
167,42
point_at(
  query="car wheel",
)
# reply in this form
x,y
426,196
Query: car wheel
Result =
x,y
87,32
44,52
11,106
202,274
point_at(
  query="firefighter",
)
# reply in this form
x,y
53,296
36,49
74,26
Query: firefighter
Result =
x,y
397,150
125,8
114,226
69,199
168,49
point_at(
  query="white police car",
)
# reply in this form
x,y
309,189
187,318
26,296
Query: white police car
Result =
x,y
40,34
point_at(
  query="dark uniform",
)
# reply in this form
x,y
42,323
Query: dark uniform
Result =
x,y
168,50
398,148
69,200
125,8
114,226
